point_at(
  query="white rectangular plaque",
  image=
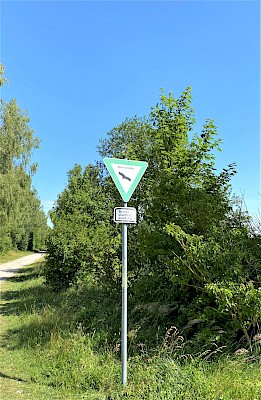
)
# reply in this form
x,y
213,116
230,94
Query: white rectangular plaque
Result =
x,y
125,215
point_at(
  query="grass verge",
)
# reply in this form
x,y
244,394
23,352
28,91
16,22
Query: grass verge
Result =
x,y
13,255
67,346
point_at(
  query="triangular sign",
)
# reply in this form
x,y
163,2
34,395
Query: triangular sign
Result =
x,y
126,174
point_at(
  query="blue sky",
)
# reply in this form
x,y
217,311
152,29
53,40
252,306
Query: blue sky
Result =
x,y
81,67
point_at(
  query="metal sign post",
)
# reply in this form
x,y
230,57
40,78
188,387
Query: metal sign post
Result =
x,y
124,303
126,175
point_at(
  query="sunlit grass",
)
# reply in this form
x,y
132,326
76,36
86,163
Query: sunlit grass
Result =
x,y
13,255
59,346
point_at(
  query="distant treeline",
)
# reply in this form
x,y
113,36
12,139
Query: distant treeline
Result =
x,y
194,257
23,223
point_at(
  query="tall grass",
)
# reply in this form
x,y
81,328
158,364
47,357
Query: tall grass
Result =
x,y
67,345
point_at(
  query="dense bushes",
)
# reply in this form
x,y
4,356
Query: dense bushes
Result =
x,y
192,247
83,240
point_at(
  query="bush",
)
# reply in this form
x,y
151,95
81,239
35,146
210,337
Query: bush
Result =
x,y
83,240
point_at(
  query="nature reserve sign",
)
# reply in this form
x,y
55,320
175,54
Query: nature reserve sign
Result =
x,y
126,174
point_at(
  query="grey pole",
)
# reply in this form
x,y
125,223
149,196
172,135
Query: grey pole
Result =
x,y
124,303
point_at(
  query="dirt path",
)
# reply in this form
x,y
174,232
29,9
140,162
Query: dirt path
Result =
x,y
10,268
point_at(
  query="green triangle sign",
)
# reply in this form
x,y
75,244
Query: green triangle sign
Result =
x,y
126,174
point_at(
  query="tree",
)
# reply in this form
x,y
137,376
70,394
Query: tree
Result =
x,y
3,80
191,246
180,184
189,241
83,241
16,140
21,216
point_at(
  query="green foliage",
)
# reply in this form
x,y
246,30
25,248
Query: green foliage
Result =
x,y
16,140
241,303
23,224
3,80
225,276
83,240
192,238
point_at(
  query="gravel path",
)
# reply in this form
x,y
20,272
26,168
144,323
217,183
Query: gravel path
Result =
x,y
10,268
